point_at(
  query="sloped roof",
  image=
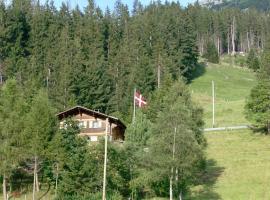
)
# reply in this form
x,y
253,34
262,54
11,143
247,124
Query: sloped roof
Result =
x,y
80,109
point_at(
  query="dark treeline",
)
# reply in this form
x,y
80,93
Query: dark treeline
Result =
x,y
232,30
93,58
52,59
96,58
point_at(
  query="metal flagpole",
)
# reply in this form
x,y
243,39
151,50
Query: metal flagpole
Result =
x,y
105,161
134,106
213,99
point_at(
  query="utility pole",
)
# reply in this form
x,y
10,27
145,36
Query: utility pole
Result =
x,y
171,178
213,103
105,160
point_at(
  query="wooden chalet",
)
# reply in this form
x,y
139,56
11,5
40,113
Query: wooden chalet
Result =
x,y
94,124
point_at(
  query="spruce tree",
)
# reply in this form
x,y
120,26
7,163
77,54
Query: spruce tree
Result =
x,y
253,61
211,53
257,106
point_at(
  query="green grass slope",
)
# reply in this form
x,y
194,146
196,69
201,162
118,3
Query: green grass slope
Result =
x,y
237,167
232,87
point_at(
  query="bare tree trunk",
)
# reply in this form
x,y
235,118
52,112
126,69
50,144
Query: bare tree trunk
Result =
x,y
268,127
5,187
180,195
228,42
171,188
56,179
248,42
218,45
233,36
35,178
37,182
158,72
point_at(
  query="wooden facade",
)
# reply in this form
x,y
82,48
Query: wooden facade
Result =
x,y
94,124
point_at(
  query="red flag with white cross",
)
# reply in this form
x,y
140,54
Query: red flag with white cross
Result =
x,y
139,100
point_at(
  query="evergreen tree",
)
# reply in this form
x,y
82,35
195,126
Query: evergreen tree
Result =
x,y
211,53
40,127
12,114
257,106
253,61
178,121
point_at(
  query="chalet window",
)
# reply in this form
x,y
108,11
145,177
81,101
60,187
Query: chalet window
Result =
x,y
92,138
96,124
82,124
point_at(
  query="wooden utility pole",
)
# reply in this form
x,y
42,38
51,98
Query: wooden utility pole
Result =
x,y
105,160
213,102
171,178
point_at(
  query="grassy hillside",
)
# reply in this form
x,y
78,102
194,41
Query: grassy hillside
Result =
x,y
237,164
232,86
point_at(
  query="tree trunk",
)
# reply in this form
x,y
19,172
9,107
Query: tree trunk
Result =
x,y
171,188
158,72
56,179
228,42
233,36
4,187
180,195
268,127
248,42
35,178
37,182
219,45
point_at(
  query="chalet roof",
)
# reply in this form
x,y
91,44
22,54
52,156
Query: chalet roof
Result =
x,y
80,109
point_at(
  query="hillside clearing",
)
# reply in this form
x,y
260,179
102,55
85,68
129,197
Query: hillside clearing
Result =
x,y
237,163
232,86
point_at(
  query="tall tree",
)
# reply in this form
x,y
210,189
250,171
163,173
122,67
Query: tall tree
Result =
x,y
12,113
40,128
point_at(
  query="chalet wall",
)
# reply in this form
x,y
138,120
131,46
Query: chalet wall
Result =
x,y
93,127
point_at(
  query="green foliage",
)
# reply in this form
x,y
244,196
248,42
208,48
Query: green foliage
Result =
x,y
211,53
12,115
81,166
257,107
176,111
253,60
138,133
40,123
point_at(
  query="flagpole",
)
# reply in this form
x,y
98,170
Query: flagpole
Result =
x,y
105,161
134,106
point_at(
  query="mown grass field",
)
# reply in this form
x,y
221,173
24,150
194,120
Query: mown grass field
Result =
x,y
232,86
238,164
237,161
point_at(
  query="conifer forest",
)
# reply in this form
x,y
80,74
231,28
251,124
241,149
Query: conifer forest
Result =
x,y
52,59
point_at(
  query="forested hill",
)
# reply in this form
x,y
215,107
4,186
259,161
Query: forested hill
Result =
x,y
96,59
244,4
